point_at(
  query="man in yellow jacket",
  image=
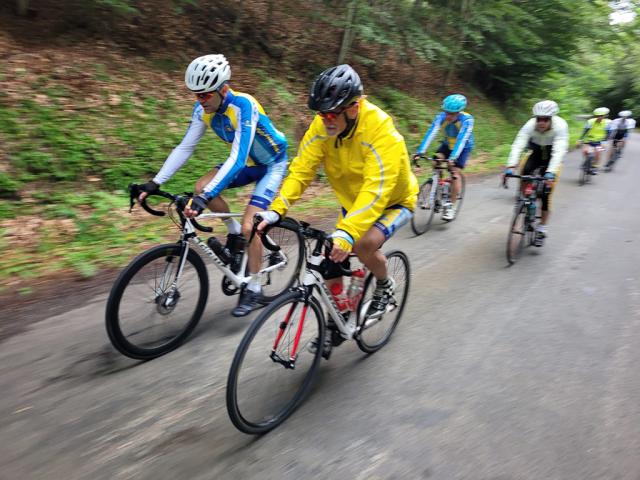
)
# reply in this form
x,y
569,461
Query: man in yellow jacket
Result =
x,y
367,164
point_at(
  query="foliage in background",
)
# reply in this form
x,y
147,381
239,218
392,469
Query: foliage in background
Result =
x,y
78,134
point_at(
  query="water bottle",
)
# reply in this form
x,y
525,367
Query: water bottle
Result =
x,y
339,296
356,286
219,250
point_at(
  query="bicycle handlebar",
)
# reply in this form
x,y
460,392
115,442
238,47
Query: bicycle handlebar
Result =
x,y
179,200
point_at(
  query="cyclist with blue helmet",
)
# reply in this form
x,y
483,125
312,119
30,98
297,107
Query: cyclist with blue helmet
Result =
x,y
456,145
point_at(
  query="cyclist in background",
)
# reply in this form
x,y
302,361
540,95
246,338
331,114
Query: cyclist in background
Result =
x,y
596,133
258,155
547,136
367,164
620,128
455,146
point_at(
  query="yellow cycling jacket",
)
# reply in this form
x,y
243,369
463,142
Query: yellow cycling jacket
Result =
x,y
369,170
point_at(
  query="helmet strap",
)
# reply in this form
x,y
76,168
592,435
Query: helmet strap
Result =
x,y
350,124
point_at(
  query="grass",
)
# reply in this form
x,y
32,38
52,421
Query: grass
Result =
x,y
71,157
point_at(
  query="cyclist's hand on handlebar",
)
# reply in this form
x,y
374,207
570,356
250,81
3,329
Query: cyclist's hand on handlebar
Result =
x,y
549,178
147,189
266,218
195,206
416,157
342,246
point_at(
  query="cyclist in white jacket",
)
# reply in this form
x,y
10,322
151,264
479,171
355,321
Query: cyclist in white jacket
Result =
x,y
547,136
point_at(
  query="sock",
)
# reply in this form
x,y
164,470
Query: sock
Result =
x,y
254,283
233,225
383,283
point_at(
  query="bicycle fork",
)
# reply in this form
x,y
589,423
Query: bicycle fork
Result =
x,y
167,298
293,355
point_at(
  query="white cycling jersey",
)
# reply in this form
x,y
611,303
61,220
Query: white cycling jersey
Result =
x,y
623,124
557,137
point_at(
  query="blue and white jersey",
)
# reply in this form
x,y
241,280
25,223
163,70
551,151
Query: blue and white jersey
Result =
x,y
457,134
241,122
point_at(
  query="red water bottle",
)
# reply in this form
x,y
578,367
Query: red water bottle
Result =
x,y
356,286
337,292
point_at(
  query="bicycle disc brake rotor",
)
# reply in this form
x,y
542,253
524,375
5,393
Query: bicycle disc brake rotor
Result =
x,y
166,302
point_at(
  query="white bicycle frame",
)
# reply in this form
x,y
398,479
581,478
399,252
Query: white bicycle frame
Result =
x,y
347,327
189,236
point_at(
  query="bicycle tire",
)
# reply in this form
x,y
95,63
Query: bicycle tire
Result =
x,y
268,421
293,231
420,222
114,316
585,171
513,254
361,339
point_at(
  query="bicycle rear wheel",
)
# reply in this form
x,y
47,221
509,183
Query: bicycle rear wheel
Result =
x,y
375,334
150,310
263,387
517,233
423,216
289,259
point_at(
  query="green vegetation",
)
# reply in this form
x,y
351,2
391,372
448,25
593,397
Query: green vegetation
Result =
x,y
73,135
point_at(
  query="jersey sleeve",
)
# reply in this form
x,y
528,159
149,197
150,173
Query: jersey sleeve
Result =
x,y
384,155
247,116
185,149
560,146
463,137
302,169
431,133
520,143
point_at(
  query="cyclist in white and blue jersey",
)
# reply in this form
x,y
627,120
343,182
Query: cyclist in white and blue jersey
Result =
x,y
258,155
455,146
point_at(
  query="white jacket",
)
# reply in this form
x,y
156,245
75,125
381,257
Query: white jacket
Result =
x,y
557,136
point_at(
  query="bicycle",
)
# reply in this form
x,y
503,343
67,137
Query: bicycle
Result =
x,y
525,219
615,156
432,201
143,320
586,171
278,358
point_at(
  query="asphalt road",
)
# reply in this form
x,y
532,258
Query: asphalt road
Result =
x,y
527,372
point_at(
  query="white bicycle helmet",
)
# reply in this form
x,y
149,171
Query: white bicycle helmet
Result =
x,y
601,111
207,73
545,108
625,114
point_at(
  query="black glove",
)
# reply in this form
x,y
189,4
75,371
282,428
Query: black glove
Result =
x,y
198,203
150,187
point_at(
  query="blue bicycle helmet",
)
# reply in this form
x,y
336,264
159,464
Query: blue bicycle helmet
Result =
x,y
454,103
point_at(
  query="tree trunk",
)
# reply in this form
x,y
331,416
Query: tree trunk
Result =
x,y
464,10
23,7
348,35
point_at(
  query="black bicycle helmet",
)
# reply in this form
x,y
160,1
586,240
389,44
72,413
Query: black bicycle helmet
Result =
x,y
335,87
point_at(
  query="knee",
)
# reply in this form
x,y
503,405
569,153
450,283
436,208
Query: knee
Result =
x,y
365,246
247,226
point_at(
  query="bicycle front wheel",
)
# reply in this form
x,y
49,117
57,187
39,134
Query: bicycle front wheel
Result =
x,y
586,170
275,364
151,309
423,216
287,261
374,334
517,234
